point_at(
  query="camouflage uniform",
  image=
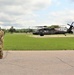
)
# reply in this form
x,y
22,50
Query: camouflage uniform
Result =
x,y
1,43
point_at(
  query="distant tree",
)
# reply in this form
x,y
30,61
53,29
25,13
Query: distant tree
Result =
x,y
12,29
54,26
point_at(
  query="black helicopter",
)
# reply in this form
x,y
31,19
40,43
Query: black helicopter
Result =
x,y
49,31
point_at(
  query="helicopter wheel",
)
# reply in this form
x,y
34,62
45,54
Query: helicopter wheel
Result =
x,y
41,34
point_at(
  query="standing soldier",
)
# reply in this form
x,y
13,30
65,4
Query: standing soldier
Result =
x,y
1,43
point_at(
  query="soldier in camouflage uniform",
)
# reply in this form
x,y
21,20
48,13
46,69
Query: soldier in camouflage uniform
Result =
x,y
1,43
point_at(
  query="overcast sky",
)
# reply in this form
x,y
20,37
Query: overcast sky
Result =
x,y
28,13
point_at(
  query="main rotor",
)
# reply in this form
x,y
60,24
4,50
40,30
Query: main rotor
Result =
x,y
71,24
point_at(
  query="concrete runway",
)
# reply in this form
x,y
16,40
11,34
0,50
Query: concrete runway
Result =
x,y
37,63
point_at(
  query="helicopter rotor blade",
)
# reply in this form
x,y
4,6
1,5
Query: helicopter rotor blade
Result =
x,y
68,24
72,23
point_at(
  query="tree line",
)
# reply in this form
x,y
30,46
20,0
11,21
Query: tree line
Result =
x,y
12,29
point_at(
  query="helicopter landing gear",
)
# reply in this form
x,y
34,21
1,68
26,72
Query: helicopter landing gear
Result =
x,y
41,34
65,34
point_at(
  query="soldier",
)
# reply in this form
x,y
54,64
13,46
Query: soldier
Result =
x,y
1,43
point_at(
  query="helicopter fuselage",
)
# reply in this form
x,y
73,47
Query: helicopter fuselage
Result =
x,y
49,31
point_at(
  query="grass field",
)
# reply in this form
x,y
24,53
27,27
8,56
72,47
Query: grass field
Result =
x,y
26,42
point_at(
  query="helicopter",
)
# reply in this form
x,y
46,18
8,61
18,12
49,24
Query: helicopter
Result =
x,y
49,31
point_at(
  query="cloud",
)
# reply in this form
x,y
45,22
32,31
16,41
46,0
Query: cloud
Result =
x,y
61,17
22,6
20,12
25,13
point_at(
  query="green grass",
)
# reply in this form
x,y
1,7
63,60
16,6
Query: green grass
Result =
x,y
24,42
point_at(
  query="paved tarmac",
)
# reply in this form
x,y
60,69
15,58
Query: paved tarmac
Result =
x,y
37,63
